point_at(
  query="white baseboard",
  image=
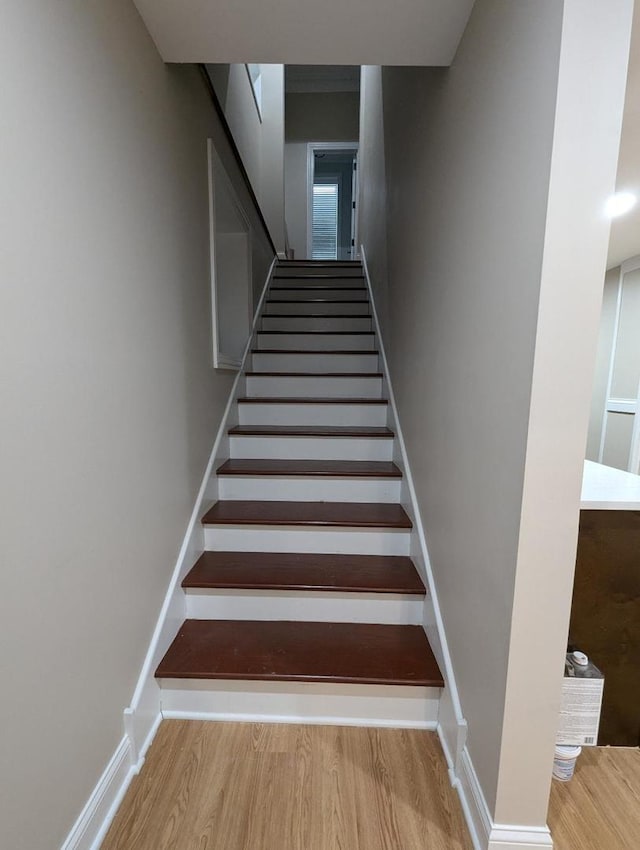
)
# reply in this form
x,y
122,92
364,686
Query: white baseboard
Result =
x,y
485,833
94,820
452,723
140,716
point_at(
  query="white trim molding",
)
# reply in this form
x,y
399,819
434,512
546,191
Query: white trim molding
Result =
x,y
143,717
145,704
452,726
311,148
485,833
621,405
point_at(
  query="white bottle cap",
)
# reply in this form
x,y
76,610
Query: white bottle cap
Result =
x,y
580,658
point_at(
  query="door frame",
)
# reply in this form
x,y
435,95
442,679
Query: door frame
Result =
x,y
629,406
312,147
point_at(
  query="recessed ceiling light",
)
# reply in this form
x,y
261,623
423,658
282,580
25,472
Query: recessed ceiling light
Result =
x,y
620,203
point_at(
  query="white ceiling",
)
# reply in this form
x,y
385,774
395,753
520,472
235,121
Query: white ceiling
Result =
x,y
625,231
331,32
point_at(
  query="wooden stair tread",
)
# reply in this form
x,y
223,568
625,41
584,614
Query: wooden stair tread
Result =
x,y
324,514
309,400
316,468
318,301
298,571
314,351
316,315
325,333
356,653
310,431
330,274
262,374
327,287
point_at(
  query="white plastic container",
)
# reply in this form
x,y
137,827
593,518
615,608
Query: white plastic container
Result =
x,y
564,762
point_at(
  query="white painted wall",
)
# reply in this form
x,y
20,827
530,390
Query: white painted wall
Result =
x,y
258,137
322,116
372,186
109,402
412,32
491,325
603,360
295,196
311,117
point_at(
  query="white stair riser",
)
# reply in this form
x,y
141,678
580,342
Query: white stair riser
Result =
x,y
316,323
296,362
309,702
331,541
361,308
312,448
351,293
279,386
311,606
255,413
316,341
269,488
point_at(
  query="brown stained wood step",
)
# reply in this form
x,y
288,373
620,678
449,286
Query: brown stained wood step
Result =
x,y
321,287
297,571
323,514
328,274
315,316
253,374
314,468
311,431
306,400
355,653
314,351
317,301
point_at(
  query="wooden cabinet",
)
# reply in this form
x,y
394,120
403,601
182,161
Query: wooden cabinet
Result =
x,y
605,617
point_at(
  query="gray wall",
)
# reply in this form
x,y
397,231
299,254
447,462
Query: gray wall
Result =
x,y
603,361
468,159
322,116
109,402
259,137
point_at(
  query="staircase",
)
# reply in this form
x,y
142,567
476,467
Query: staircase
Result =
x,y
306,604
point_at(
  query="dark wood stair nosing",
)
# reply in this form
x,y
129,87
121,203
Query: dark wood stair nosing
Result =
x,y
314,468
317,316
261,374
292,571
387,515
317,301
301,651
327,431
315,351
309,400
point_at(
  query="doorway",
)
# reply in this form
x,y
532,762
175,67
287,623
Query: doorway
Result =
x,y
331,197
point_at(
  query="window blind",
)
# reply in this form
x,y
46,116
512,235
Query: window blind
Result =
x,y
325,222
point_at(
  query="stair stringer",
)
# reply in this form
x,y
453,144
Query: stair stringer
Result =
x,y
142,717
452,727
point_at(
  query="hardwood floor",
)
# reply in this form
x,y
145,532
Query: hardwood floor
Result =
x,y
254,786
600,808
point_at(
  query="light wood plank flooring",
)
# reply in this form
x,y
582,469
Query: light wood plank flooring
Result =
x,y
600,808
253,786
